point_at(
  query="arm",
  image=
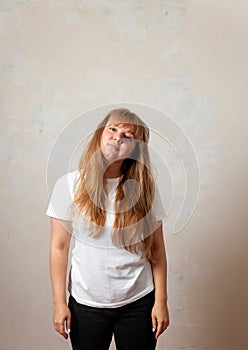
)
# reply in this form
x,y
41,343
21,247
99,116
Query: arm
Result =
x,y
59,248
160,314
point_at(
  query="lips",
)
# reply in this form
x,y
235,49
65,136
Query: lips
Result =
x,y
115,147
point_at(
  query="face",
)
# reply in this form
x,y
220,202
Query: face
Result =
x,y
117,142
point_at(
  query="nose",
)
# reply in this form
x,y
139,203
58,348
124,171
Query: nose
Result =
x,y
118,137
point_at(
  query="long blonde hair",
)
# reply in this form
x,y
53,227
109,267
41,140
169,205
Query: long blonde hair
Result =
x,y
134,217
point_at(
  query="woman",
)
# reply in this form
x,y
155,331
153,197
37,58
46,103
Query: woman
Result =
x,y
117,281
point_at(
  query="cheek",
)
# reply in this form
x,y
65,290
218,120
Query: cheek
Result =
x,y
133,148
130,149
104,139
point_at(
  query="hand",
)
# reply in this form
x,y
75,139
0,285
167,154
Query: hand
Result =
x,y
62,315
160,317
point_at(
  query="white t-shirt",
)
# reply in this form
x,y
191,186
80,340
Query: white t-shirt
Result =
x,y
102,275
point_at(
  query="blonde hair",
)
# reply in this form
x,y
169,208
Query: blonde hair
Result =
x,y
134,218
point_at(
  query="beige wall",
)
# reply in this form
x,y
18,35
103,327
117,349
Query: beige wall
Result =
x,y
187,59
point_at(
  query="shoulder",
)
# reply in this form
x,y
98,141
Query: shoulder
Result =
x,y
70,176
67,181
62,196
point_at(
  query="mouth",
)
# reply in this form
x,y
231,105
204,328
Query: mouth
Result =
x,y
114,146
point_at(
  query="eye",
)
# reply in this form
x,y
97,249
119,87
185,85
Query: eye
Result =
x,y
129,137
112,129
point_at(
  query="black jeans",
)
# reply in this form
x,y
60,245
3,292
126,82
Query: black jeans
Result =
x,y
92,328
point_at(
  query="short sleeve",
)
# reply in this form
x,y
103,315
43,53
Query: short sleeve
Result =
x,y
158,208
62,197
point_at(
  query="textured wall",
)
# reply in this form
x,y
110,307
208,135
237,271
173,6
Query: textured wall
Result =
x,y
186,58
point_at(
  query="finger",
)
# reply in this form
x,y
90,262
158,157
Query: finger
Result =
x,y
159,330
61,330
68,323
167,322
64,334
154,323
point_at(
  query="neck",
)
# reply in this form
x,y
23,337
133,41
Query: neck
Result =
x,y
114,170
